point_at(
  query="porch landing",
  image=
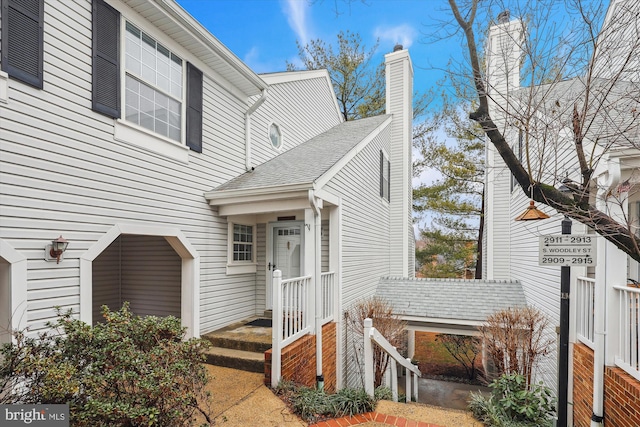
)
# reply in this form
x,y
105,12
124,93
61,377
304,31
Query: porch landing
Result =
x,y
240,345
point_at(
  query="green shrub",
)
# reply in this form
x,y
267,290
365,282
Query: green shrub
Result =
x,y
127,371
513,404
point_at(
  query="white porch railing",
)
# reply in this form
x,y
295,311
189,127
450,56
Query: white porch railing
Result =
x,y
291,317
327,283
585,291
628,352
371,335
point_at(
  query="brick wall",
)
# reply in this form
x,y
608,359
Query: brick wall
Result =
x,y
582,385
299,360
621,398
621,393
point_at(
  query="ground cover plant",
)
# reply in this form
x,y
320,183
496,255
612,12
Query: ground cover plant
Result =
x,y
313,404
126,371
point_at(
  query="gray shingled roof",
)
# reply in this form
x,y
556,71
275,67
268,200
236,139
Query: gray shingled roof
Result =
x,y
309,160
454,299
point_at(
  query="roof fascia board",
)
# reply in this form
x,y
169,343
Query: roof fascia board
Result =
x,y
328,175
440,320
264,206
293,76
246,195
190,25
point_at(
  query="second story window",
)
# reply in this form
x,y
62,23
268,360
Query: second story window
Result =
x,y
163,93
153,96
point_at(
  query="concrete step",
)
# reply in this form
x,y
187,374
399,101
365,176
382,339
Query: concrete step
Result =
x,y
236,359
244,343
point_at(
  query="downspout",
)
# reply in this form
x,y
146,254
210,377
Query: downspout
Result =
x,y
600,309
247,128
317,287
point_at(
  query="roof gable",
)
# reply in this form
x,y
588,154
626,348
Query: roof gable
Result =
x,y
319,158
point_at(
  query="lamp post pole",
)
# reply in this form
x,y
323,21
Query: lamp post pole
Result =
x,y
563,362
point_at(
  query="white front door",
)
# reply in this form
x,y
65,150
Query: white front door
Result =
x,y
285,253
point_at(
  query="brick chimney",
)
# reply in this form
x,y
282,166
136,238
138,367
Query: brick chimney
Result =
x,y
399,103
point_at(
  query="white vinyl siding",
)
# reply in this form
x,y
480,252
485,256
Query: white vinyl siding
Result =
x,y
63,173
302,109
362,211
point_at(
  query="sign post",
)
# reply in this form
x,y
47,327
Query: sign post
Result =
x,y
566,250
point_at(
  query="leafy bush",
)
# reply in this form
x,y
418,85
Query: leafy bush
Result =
x,y
514,404
127,371
312,404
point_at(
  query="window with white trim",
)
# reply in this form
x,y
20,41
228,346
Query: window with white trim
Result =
x,y
162,91
275,135
243,243
153,81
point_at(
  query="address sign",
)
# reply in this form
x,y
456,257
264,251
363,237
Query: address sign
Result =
x,y
568,250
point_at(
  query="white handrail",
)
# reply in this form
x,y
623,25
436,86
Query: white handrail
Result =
x,y
628,355
372,335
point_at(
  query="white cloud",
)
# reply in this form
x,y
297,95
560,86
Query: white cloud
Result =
x,y
296,13
403,34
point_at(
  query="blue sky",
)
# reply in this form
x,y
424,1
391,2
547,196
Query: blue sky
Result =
x,y
263,33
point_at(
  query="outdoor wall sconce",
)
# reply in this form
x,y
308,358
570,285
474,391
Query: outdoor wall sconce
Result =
x,y
55,250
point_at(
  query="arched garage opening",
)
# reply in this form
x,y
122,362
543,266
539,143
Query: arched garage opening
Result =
x,y
143,270
155,269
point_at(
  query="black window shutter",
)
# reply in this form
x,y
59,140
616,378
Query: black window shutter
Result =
x,y
194,108
22,40
105,72
381,174
388,180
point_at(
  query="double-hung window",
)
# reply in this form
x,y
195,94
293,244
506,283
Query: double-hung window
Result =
x,y
153,82
242,243
242,248
162,92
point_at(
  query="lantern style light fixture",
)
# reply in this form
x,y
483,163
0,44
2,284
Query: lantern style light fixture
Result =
x,y
55,250
531,213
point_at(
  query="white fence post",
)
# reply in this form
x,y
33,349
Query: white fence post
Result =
x,y
276,330
394,377
368,357
407,382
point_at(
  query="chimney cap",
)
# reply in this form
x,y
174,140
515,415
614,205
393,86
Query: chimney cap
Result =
x,y
397,47
503,17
